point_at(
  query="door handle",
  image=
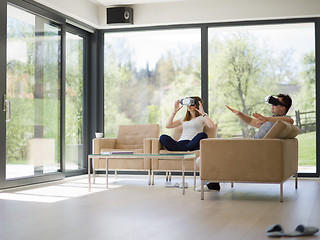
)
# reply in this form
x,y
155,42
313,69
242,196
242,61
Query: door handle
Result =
x,y
5,107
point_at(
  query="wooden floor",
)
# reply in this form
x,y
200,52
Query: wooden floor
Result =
x,y
130,209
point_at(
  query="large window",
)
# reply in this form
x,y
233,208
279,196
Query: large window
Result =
x,y
248,63
145,72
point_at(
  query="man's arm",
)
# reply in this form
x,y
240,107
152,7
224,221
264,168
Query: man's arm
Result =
x,y
263,119
245,118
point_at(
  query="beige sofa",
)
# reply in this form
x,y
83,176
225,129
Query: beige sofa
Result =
x,y
273,159
133,138
168,166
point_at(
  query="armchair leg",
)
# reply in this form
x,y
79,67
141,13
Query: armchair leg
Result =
x,y
152,176
194,174
166,176
170,176
296,177
115,174
281,192
232,184
149,177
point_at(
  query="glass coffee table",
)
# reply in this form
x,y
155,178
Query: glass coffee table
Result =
x,y
173,157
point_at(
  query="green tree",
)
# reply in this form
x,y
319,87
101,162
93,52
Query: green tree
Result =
x,y
240,76
305,99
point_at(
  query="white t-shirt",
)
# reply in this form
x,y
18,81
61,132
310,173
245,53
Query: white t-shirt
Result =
x,y
191,128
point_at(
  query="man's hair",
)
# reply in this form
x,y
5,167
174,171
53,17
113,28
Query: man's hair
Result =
x,y
285,100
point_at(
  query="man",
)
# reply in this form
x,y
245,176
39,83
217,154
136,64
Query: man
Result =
x,y
280,107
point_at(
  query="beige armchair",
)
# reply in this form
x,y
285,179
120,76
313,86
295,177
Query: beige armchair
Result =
x,y
130,138
161,165
273,159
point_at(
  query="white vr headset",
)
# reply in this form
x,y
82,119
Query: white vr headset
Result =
x,y
188,101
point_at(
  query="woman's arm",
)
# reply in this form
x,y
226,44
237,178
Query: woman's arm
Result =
x,y
170,123
208,121
206,118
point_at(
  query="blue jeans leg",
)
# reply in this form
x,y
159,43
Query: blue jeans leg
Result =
x,y
194,144
172,145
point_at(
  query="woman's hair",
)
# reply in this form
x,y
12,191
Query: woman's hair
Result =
x,y
188,115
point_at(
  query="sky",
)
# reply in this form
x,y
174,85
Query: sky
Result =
x,y
150,45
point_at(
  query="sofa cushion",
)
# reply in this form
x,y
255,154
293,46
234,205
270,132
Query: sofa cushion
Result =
x,y
132,136
279,130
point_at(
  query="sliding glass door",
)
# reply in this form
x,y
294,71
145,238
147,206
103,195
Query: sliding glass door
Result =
x,y
74,111
32,98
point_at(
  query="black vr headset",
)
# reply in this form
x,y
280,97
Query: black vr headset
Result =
x,y
274,101
188,101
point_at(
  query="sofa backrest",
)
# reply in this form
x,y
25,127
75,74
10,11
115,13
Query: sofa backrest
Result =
x,y
282,130
211,132
132,136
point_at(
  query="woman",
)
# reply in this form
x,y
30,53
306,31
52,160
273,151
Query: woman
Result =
x,y
192,127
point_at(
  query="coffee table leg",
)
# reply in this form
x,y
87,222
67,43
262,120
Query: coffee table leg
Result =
x,y
89,173
151,171
183,186
93,171
107,172
194,173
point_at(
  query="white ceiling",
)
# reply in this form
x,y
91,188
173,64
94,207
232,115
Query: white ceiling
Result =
x,y
131,2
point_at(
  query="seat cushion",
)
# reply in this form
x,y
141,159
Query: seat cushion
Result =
x,y
173,165
197,152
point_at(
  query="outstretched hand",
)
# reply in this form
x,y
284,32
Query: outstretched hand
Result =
x,y
261,119
236,112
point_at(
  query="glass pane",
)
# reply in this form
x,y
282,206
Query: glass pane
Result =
x,y
74,102
33,87
145,72
246,64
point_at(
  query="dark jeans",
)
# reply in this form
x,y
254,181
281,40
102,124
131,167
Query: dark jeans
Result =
x,y
185,145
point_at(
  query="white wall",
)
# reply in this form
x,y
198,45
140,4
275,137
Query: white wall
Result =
x,y
85,11
226,10
192,11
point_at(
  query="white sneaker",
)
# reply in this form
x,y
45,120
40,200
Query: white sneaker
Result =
x,y
205,188
176,185
185,185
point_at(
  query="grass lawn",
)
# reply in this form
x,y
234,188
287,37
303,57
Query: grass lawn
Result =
x,y
307,148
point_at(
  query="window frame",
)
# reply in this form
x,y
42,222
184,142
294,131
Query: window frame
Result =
x,y
205,68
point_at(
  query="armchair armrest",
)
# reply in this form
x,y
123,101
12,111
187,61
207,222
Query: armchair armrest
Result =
x,y
99,143
147,145
155,145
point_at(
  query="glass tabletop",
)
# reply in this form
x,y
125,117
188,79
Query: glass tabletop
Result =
x,y
126,154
